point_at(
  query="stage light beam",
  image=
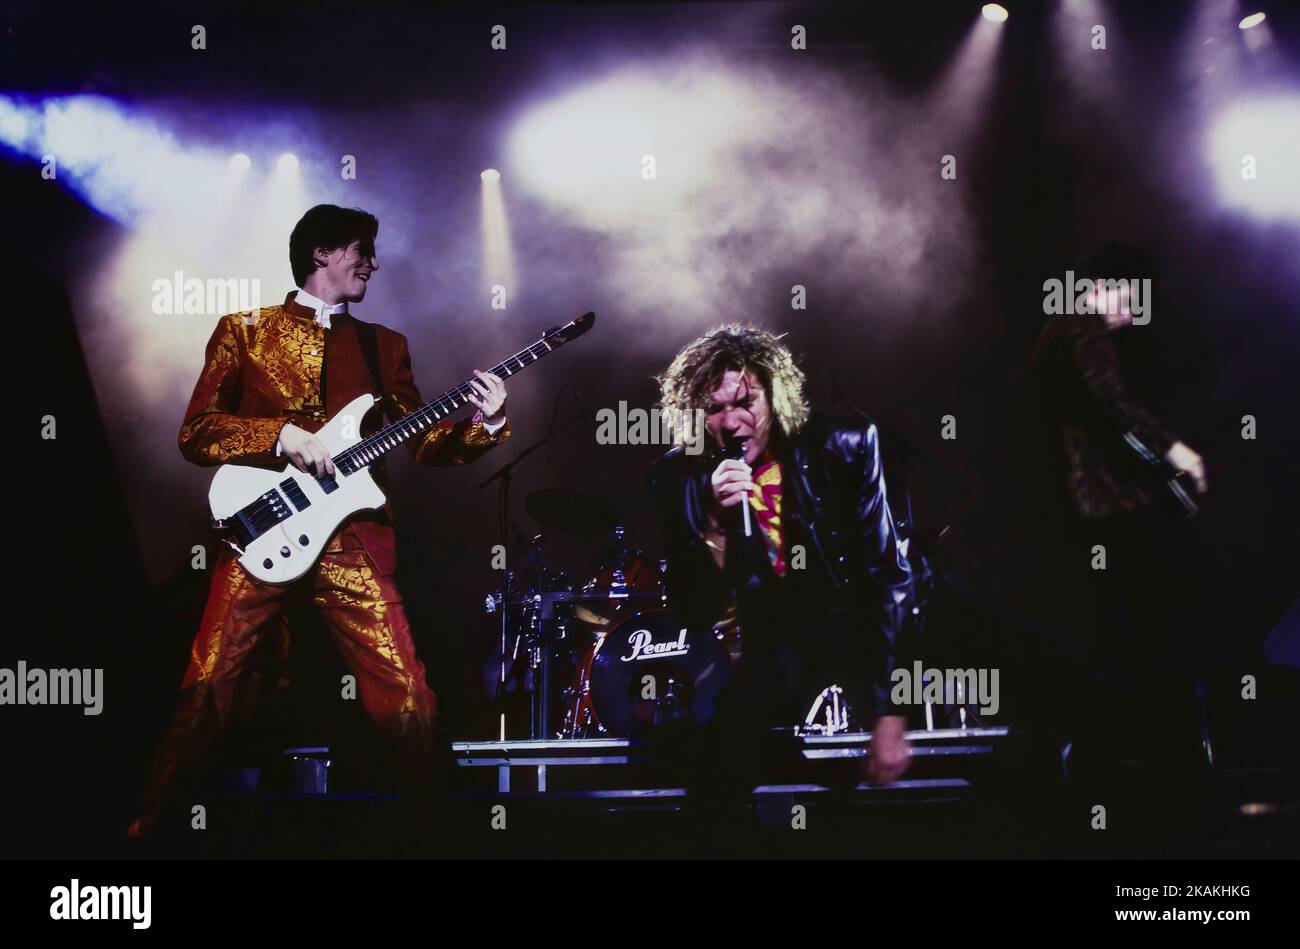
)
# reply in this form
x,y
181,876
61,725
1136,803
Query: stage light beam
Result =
x,y
960,99
498,254
995,12
1255,19
240,163
288,162
1089,77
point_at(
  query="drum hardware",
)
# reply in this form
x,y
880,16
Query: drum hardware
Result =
x,y
495,601
502,673
580,719
965,714
618,584
505,476
830,713
671,673
545,625
674,700
529,628
544,631
621,576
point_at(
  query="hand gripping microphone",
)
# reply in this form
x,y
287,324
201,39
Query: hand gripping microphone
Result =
x,y
734,448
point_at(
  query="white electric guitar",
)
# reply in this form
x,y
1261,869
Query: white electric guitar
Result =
x,y
279,522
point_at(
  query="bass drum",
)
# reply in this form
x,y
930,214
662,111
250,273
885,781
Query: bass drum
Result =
x,y
651,671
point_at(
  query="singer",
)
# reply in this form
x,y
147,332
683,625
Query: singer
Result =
x,y
782,540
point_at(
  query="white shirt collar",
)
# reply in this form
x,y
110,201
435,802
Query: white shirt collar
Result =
x,y
323,310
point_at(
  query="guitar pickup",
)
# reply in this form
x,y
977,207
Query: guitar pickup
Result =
x,y
293,491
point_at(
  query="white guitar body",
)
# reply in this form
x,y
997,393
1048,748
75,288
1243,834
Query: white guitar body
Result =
x,y
291,547
282,520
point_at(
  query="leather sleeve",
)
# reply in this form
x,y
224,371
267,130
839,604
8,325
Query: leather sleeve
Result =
x,y
212,433
448,442
886,571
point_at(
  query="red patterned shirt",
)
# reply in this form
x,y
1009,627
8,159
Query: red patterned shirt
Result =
x,y
765,500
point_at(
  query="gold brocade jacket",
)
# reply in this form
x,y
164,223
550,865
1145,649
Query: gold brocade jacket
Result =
x,y
262,372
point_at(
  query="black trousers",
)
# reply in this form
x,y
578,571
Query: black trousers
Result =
x,y
1146,629
790,654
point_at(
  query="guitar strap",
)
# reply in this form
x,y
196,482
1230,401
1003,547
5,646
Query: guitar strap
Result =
x,y
370,350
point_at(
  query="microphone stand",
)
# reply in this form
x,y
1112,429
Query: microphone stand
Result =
x,y
505,474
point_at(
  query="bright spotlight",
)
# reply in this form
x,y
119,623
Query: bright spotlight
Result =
x,y
587,149
1254,151
490,174
18,122
240,162
1255,19
288,162
995,12
118,160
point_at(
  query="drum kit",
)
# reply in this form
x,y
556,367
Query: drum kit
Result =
x,y
604,656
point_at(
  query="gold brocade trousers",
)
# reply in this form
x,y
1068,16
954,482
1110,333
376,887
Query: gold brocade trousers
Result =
x,y
364,613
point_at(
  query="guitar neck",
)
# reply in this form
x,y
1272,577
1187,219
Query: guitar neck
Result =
x,y
1166,473
416,423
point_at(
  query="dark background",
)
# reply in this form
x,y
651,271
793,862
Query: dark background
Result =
x,y
91,582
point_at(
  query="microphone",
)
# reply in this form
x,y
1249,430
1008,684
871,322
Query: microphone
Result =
x,y
733,448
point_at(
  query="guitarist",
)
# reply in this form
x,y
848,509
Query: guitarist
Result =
x,y
271,378
1140,601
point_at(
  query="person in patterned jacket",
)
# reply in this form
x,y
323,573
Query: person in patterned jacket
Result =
x,y
270,379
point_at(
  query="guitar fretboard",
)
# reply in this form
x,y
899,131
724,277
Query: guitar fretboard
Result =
x,y
375,446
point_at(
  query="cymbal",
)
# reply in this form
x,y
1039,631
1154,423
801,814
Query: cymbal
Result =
x,y
570,512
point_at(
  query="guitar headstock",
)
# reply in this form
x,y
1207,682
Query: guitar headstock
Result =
x,y
570,330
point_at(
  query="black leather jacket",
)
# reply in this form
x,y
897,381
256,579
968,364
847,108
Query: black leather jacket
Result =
x,y
833,504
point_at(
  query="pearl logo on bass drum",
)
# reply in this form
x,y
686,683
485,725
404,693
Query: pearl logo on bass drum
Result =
x,y
643,646
681,684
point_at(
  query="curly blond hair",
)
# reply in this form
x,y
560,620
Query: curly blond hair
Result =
x,y
698,369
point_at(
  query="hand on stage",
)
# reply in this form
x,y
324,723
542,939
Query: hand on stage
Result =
x,y
489,394
732,481
1184,459
890,753
306,451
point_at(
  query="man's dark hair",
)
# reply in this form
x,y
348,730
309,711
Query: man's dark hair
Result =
x,y
1115,260
330,227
